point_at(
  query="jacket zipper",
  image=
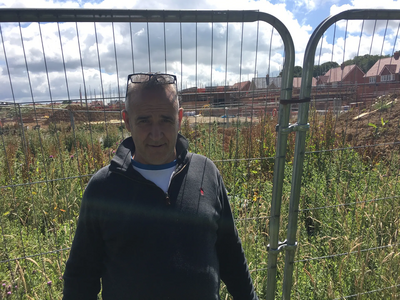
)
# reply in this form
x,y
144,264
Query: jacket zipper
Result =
x,y
167,201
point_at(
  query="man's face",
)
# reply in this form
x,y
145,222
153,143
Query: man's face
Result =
x,y
153,121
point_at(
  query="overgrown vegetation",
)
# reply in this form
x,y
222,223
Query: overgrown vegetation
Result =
x,y
349,204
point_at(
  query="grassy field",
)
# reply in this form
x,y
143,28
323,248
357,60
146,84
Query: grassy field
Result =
x,y
349,208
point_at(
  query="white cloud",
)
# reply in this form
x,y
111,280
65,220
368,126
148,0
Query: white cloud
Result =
x,y
310,5
360,4
38,4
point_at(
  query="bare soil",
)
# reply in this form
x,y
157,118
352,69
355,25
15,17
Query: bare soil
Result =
x,y
377,126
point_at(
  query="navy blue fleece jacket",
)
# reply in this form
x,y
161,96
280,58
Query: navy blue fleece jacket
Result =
x,y
147,244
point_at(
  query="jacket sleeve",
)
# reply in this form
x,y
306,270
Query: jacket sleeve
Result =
x,y
83,269
234,271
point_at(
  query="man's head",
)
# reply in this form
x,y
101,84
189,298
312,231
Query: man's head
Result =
x,y
153,117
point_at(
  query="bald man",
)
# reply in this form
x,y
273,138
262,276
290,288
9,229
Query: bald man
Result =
x,y
156,223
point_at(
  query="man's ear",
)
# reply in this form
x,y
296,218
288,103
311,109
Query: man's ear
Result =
x,y
126,120
180,116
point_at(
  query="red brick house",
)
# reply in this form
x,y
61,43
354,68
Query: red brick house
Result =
x,y
297,82
241,86
385,70
351,74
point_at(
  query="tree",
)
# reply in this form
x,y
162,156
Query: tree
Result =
x,y
325,67
297,71
365,62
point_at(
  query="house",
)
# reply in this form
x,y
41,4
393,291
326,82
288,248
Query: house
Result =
x,y
275,83
241,86
297,82
350,74
265,82
96,103
385,70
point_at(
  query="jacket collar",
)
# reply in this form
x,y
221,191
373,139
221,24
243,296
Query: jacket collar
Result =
x,y
122,159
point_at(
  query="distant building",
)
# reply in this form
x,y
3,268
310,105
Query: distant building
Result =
x,y
385,70
241,86
350,74
265,82
275,83
297,82
96,103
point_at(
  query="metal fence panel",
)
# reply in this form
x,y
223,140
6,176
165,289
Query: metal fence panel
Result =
x,y
346,215
62,87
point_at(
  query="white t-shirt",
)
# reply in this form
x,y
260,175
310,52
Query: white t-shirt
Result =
x,y
159,174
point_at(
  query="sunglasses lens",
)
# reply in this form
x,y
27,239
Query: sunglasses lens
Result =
x,y
158,78
138,78
165,78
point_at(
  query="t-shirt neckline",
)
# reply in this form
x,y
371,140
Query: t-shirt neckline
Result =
x,y
153,167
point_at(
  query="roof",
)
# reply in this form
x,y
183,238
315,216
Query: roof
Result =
x,y
337,74
242,86
323,79
261,82
96,103
391,69
276,82
297,82
388,62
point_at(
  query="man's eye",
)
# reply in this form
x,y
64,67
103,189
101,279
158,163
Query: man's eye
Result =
x,y
143,121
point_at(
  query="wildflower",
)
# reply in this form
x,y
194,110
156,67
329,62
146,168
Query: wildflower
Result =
x,y
60,278
34,272
49,283
113,151
71,157
16,287
4,285
9,293
51,156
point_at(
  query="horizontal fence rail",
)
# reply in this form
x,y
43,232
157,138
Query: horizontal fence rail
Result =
x,y
62,87
346,214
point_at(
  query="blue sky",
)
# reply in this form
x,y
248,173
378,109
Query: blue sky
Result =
x,y
301,17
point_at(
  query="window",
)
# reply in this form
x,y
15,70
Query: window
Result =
x,y
387,77
372,79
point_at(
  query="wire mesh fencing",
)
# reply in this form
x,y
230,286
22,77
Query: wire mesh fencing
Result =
x,y
348,208
62,87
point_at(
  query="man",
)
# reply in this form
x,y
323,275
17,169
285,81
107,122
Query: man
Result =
x,y
156,223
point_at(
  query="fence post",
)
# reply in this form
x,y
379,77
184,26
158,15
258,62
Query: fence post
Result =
x,y
302,127
274,246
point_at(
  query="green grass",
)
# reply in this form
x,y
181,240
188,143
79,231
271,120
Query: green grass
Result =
x,y
349,202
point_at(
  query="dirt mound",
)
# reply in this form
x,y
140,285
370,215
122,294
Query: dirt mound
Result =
x,y
377,126
82,114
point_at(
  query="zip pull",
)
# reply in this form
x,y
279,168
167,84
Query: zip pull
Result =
x,y
167,201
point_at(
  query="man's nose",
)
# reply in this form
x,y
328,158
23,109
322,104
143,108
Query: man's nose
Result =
x,y
156,132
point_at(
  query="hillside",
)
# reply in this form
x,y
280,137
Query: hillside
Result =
x,y
377,125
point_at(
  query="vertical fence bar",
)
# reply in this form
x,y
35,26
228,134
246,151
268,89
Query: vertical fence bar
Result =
x,y
305,93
